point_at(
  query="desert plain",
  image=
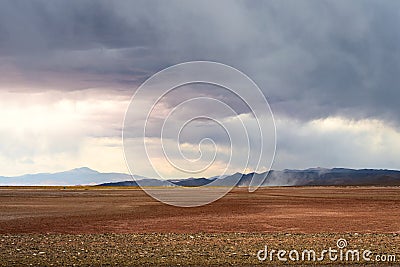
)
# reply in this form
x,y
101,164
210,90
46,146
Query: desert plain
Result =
x,y
104,226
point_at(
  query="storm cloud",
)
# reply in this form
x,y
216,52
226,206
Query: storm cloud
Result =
x,y
315,61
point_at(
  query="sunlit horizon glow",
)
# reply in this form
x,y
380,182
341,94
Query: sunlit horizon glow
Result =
x,y
51,132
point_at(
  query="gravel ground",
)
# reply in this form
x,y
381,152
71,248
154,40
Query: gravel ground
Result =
x,y
200,249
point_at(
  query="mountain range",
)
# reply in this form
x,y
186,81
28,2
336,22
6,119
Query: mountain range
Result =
x,y
308,177
78,176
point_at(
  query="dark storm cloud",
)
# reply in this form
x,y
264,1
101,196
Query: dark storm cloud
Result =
x,y
42,26
76,44
313,59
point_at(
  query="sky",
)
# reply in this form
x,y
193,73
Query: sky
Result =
x,y
329,70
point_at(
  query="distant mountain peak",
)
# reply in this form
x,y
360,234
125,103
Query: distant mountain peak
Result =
x,y
84,170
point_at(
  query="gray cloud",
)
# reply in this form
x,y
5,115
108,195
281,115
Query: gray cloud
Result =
x,y
312,59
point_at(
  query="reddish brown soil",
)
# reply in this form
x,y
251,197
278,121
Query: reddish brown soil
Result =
x,y
268,210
